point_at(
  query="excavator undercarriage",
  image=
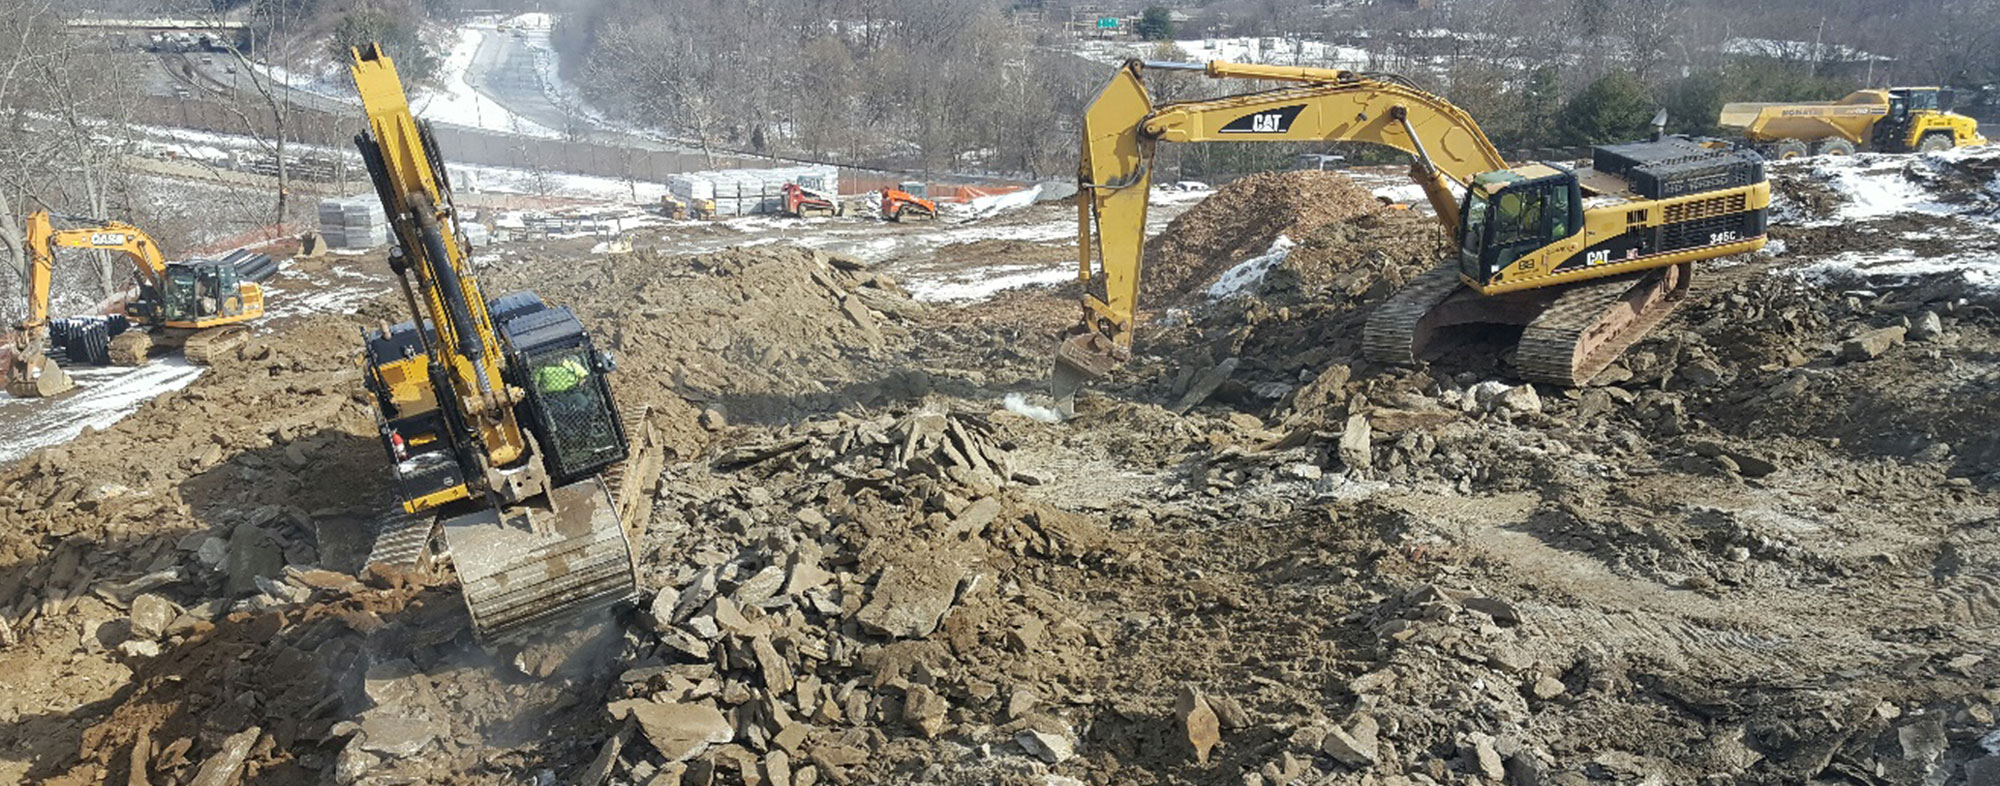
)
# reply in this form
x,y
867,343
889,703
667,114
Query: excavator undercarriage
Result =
x,y
1568,335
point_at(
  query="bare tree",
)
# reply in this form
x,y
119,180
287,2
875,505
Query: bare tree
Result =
x,y
273,98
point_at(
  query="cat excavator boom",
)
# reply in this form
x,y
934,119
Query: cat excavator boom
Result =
x,y
1587,260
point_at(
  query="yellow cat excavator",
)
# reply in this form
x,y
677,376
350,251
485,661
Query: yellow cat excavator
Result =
x,y
495,415
1586,260
200,306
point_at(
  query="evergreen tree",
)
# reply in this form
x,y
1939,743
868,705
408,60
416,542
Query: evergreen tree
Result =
x,y
1615,108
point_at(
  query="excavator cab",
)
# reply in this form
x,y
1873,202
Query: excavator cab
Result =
x,y
194,291
1512,213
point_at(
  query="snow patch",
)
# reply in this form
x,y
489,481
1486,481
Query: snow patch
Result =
x,y
1895,267
1246,275
1876,186
982,283
103,397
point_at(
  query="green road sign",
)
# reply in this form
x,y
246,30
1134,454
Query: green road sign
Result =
x,y
1107,23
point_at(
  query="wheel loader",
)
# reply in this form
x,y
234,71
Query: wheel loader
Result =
x,y
1584,260
496,415
202,307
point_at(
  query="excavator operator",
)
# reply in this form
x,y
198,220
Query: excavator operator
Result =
x,y
562,376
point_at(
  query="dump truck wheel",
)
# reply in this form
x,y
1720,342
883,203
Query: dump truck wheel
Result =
x,y
1934,143
1789,149
1836,147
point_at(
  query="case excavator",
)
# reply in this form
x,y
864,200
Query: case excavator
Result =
x,y
1585,260
201,307
495,414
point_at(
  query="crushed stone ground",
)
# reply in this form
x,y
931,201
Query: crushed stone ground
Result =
x,y
1763,549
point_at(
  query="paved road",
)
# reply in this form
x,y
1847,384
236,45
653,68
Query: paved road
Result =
x,y
504,70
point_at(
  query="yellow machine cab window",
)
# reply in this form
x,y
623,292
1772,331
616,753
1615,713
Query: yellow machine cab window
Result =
x,y
1506,216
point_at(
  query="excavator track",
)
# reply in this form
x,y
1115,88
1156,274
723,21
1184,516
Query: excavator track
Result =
x,y
207,345
1590,324
1397,331
132,347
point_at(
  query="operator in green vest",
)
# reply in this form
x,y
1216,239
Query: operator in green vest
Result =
x,y
560,377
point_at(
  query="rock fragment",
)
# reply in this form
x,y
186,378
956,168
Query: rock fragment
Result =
x,y
924,709
681,731
151,615
1051,748
1354,746
1199,724
221,768
1356,443
1872,344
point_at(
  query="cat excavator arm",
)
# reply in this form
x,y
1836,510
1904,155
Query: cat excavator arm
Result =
x,y
1122,126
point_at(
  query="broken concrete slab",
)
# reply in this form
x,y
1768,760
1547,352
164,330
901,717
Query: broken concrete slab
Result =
x,y
681,731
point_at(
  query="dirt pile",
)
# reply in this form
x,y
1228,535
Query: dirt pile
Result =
x,y
247,441
756,333
1240,220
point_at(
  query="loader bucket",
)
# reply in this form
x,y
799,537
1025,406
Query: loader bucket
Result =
x,y
38,378
527,568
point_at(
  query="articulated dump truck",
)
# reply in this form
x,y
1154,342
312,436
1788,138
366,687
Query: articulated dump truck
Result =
x,y
1895,120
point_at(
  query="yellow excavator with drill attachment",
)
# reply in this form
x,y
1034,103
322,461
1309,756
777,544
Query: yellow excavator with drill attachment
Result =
x,y
201,307
1585,260
496,415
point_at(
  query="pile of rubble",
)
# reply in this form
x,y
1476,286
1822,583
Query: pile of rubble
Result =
x,y
761,333
848,589
1241,220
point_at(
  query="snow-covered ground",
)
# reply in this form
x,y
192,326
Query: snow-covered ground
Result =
x,y
454,102
218,149
459,103
1241,49
103,396
1876,187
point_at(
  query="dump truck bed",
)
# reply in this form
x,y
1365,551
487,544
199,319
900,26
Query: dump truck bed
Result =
x,y
1849,118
